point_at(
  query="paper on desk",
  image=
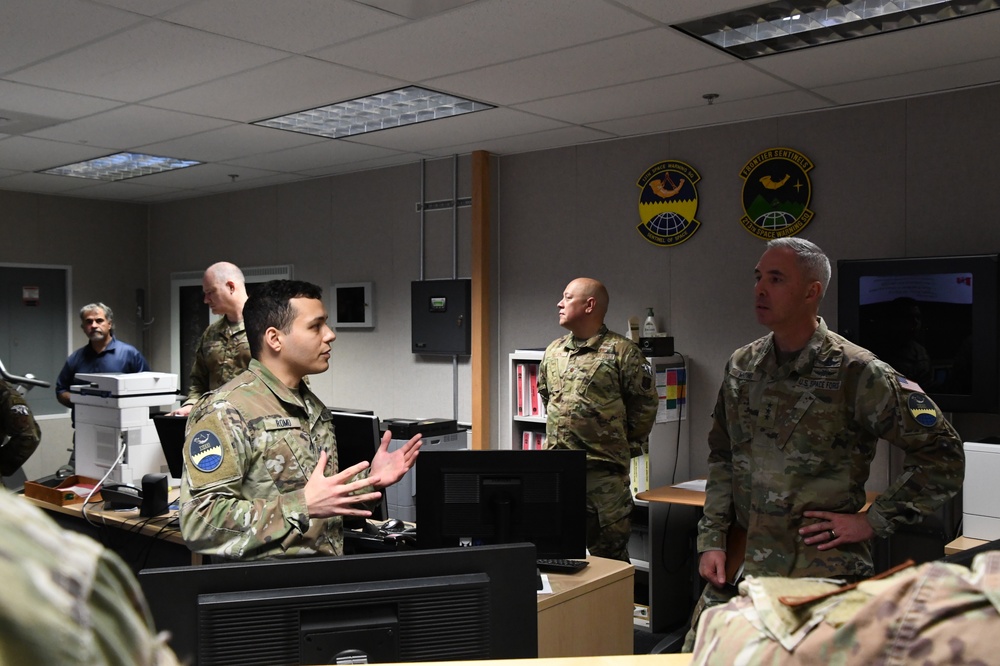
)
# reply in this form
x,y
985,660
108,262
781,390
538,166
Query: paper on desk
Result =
x,y
546,586
80,489
697,484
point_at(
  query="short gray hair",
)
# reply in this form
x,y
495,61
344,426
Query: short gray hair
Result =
x,y
97,306
814,263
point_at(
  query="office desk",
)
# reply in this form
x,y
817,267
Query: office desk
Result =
x,y
159,531
962,543
588,613
620,660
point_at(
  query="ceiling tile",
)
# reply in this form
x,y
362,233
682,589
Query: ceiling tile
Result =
x,y
525,143
129,126
151,59
483,33
731,82
55,104
32,154
634,57
296,26
230,143
68,24
314,156
293,84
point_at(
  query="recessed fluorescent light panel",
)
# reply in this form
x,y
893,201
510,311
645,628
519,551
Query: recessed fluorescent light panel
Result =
x,y
121,166
395,108
797,24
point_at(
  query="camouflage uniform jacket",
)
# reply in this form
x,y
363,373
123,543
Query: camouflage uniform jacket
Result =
x,y
934,613
223,352
251,446
801,436
600,397
17,423
68,600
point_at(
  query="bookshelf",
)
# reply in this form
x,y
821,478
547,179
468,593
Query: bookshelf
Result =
x,y
527,413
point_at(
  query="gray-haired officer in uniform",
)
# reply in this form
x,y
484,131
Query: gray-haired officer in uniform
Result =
x,y
223,351
600,398
261,477
795,428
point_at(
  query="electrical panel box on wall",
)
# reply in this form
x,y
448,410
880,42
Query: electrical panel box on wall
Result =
x,y
441,317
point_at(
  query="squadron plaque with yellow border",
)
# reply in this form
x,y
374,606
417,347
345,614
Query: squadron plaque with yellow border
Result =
x,y
776,193
668,202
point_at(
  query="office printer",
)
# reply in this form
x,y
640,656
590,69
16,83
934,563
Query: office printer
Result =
x,y
438,435
113,410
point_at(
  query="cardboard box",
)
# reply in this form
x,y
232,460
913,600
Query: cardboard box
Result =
x,y
62,494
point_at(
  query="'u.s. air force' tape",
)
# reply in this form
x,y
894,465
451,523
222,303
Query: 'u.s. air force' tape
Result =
x,y
205,451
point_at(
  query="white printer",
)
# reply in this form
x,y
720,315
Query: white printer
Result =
x,y
981,491
112,410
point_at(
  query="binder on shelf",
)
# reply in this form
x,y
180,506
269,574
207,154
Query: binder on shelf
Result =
x,y
526,441
639,474
533,387
520,389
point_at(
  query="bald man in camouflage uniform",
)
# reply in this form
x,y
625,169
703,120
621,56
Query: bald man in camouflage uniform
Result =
x,y
223,351
600,398
17,423
261,478
795,430
68,600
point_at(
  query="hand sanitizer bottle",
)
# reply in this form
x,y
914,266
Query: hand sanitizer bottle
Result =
x,y
649,326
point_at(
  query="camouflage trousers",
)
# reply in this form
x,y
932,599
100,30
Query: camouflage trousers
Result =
x,y
935,613
610,541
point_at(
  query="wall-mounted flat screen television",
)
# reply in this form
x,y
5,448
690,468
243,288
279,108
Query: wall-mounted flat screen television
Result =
x,y
934,319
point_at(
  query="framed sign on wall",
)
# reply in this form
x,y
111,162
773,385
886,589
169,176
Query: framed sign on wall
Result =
x,y
353,306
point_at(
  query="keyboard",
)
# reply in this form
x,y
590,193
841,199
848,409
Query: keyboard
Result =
x,y
559,565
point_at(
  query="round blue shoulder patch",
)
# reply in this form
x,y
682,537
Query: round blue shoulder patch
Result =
x,y
205,451
922,409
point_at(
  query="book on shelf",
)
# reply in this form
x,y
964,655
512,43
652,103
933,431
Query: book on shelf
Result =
x,y
639,474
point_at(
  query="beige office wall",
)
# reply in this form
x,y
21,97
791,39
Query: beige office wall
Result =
x,y
904,178
360,227
105,244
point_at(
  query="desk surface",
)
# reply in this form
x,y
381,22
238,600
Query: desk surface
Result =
x,y
618,660
162,527
600,572
672,495
962,543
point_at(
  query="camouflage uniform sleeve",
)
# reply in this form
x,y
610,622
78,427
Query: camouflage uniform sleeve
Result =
x,y
543,387
934,460
219,515
198,379
640,399
718,513
17,423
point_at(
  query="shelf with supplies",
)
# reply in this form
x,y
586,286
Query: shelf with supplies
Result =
x,y
527,411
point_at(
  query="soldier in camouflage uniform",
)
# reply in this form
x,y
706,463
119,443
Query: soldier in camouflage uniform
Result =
x,y
223,351
68,600
17,423
794,434
261,478
600,398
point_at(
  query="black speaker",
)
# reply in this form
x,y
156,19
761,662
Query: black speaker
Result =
x,y
154,495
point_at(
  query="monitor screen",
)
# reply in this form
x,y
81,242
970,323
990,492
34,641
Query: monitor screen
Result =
x,y
443,605
473,498
358,439
933,319
170,432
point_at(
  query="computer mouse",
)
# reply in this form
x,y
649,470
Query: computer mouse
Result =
x,y
393,525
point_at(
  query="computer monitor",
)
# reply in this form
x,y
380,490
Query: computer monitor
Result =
x,y
358,439
489,497
451,604
170,431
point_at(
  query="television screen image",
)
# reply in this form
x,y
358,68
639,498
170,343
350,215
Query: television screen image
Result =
x,y
933,319
442,605
473,498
